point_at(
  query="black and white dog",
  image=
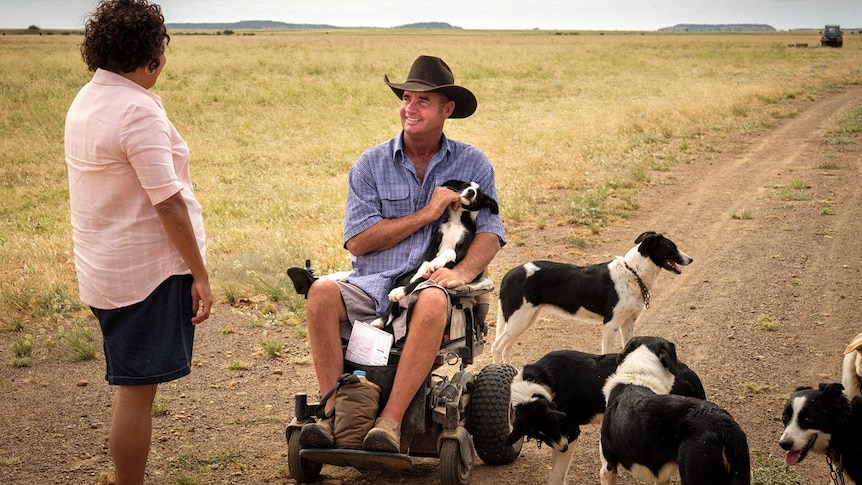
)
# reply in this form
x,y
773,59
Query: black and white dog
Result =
x,y
448,245
823,420
553,397
617,291
654,435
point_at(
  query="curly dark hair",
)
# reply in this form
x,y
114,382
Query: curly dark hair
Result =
x,y
123,35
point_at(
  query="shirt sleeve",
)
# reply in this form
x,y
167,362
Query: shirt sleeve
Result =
x,y
363,208
146,138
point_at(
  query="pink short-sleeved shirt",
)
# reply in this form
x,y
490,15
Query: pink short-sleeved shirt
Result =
x,y
124,156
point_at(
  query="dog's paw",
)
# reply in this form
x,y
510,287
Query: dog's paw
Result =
x,y
397,294
377,323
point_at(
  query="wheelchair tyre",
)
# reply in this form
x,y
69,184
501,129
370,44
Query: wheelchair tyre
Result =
x,y
303,471
453,471
489,415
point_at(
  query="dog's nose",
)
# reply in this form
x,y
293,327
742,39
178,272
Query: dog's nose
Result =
x,y
785,444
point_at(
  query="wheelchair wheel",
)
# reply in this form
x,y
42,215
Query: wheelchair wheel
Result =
x,y
303,471
453,471
489,416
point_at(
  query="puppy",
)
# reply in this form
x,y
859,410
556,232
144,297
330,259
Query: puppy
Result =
x,y
823,420
448,245
617,291
653,434
555,396
851,376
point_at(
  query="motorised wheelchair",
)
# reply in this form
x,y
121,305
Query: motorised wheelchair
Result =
x,y
451,418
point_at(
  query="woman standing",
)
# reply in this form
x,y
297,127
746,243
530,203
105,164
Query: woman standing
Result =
x,y
137,228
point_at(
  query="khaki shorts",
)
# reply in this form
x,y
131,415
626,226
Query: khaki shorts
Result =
x,y
363,308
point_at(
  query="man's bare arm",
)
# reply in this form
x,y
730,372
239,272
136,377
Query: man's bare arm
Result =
x,y
387,233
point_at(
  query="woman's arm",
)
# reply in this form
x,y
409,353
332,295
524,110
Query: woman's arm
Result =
x,y
175,218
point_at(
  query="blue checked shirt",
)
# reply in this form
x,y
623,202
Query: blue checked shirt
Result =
x,y
383,185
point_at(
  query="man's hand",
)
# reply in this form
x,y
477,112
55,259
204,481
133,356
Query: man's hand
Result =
x,y
441,199
448,278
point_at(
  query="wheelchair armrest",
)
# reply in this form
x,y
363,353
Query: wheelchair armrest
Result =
x,y
303,277
337,276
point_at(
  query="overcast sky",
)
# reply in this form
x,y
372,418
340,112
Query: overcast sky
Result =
x,y
469,14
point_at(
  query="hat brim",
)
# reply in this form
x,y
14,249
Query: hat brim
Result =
x,y
465,101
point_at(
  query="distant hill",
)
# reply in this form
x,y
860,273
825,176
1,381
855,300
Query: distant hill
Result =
x,y
719,28
272,25
428,25
246,25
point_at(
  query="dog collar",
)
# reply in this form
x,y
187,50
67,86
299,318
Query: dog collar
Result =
x,y
644,290
837,476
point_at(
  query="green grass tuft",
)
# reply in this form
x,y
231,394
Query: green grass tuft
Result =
x,y
80,342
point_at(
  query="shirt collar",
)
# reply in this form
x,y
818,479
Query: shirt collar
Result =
x,y
109,78
398,146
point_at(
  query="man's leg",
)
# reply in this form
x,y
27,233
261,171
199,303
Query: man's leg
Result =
x,y
131,430
428,316
325,311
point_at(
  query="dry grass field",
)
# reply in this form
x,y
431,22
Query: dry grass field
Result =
x,y
578,125
573,123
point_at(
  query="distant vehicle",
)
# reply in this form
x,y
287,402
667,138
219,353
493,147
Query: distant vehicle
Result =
x,y
832,36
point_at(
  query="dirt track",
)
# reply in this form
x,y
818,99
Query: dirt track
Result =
x,y
798,261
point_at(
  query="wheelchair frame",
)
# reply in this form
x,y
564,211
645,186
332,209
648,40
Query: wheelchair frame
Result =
x,y
452,419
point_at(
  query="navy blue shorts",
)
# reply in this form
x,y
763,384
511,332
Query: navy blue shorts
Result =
x,y
150,342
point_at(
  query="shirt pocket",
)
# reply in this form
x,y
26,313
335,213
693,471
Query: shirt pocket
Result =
x,y
396,202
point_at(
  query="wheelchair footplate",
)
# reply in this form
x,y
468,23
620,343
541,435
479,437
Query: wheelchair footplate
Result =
x,y
359,459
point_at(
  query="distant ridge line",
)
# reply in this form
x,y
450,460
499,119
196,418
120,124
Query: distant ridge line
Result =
x,y
719,28
274,25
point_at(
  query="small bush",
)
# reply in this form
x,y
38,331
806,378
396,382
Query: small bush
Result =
x,y
767,322
22,348
238,365
273,347
160,407
81,342
767,470
744,215
756,388
9,460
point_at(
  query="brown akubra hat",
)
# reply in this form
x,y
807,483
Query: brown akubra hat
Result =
x,y
430,73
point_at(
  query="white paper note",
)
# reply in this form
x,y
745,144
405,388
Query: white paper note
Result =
x,y
368,345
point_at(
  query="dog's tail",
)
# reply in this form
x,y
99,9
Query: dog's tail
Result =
x,y
737,456
499,328
715,450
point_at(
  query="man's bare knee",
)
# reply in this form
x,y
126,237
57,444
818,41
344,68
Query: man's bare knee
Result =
x,y
324,302
431,305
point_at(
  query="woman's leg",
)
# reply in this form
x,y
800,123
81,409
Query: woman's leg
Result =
x,y
131,430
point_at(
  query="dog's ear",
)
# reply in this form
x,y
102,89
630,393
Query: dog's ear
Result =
x,y
454,184
667,356
629,347
831,389
556,415
490,203
801,388
626,351
645,235
516,434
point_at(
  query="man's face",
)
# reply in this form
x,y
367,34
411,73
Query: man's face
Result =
x,y
423,112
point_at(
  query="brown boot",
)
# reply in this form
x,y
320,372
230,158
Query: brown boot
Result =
x,y
318,435
384,436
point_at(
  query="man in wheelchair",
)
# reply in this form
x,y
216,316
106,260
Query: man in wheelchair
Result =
x,y
394,205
